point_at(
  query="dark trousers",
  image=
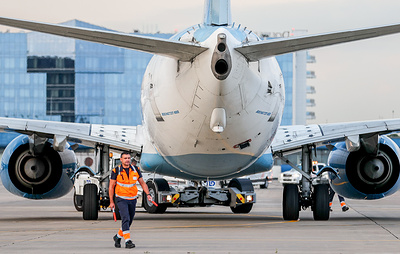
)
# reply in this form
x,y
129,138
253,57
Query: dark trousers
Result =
x,y
332,194
127,210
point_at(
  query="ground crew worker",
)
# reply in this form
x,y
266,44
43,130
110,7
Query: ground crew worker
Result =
x,y
341,200
123,184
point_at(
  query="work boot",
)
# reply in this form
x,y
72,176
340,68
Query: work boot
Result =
x,y
345,208
117,241
129,244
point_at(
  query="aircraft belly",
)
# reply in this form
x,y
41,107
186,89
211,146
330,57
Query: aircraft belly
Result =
x,y
211,165
217,169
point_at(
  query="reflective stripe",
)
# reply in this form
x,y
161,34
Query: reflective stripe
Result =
x,y
126,185
124,197
127,235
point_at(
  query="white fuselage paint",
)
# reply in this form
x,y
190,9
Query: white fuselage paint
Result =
x,y
178,99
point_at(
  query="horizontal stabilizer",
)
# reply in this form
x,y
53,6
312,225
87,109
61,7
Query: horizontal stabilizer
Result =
x,y
258,50
179,50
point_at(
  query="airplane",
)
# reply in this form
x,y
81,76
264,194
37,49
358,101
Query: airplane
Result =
x,y
212,100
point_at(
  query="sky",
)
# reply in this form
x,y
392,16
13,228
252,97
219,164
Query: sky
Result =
x,y
355,81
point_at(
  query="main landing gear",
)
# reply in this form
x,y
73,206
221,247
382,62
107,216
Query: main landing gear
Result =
x,y
310,192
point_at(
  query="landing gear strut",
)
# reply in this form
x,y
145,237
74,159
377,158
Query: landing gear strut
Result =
x,y
308,193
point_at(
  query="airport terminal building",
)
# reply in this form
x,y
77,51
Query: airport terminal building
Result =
x,y
50,77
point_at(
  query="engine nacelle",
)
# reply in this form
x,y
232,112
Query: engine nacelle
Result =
x,y
42,175
364,175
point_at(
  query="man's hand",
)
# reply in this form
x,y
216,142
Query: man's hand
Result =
x,y
112,205
151,200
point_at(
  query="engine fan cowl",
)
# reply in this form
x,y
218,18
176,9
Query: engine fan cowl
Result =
x,y
364,175
42,176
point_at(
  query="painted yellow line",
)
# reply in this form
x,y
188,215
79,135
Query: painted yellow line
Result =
x,y
220,225
158,227
248,240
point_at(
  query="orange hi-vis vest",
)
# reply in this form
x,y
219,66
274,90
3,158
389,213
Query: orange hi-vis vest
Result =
x,y
126,186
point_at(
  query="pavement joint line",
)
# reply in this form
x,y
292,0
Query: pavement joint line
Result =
x,y
380,225
53,232
28,240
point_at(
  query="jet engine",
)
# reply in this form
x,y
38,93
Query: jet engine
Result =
x,y
31,168
369,172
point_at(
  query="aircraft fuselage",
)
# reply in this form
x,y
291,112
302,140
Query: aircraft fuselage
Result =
x,y
217,114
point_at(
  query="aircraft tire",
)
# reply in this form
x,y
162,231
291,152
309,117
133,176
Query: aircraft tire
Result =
x,y
265,185
290,202
242,209
90,202
242,185
156,185
321,202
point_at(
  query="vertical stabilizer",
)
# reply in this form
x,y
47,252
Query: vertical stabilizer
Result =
x,y
217,12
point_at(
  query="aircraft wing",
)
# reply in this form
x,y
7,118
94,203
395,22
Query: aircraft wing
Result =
x,y
126,138
180,50
291,138
258,50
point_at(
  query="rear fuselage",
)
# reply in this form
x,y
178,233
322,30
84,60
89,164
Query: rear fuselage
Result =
x,y
214,116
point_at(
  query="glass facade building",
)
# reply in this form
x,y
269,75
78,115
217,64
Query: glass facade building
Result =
x,y
286,64
89,82
295,74
22,94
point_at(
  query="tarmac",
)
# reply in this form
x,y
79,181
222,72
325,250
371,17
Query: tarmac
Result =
x,y
54,226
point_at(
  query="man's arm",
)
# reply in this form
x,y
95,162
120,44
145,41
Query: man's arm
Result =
x,y
145,188
111,190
